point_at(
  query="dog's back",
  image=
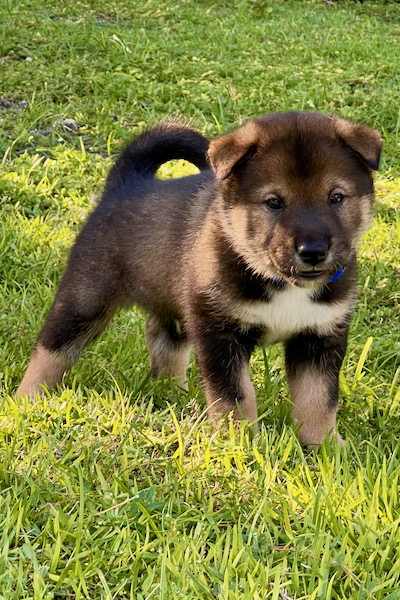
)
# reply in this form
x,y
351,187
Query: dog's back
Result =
x,y
120,255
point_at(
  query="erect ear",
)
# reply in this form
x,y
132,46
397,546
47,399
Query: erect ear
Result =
x,y
366,142
232,150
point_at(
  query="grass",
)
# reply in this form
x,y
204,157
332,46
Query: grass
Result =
x,y
114,486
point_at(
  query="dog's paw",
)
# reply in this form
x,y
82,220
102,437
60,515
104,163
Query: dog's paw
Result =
x,y
340,441
312,444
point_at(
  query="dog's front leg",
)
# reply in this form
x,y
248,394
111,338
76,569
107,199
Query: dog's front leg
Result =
x,y
223,357
313,364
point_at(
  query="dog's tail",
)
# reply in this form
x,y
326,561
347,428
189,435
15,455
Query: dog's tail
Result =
x,y
144,155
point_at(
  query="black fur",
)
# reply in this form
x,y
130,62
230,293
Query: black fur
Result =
x,y
99,271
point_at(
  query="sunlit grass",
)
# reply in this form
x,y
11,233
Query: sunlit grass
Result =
x,y
114,486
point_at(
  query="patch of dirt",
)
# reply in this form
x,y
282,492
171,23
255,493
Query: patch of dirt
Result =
x,y
7,103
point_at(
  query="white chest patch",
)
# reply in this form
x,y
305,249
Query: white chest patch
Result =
x,y
291,311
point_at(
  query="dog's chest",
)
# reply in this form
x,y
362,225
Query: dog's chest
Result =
x,y
291,311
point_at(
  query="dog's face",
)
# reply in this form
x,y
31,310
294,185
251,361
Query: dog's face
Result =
x,y
296,193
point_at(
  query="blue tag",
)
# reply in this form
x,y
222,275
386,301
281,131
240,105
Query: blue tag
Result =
x,y
279,281
336,276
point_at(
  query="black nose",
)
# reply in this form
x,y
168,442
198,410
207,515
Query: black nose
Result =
x,y
313,252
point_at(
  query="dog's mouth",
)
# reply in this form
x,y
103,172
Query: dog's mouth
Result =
x,y
311,274
312,277
296,277
308,277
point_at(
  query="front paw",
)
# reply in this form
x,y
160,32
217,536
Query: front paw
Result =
x,y
313,439
335,436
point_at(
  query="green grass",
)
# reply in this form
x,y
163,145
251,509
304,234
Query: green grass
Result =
x,y
115,486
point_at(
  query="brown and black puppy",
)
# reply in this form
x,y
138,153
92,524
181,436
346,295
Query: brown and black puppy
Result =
x,y
258,249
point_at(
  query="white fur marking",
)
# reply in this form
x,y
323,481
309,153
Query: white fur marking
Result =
x,y
291,311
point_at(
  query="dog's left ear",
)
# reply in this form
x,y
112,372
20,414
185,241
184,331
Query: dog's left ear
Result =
x,y
366,142
229,152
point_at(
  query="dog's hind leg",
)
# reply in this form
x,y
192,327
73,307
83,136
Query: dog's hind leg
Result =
x,y
45,367
82,308
169,348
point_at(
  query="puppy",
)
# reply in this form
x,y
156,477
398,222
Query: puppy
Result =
x,y
259,248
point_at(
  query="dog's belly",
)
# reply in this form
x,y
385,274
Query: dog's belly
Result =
x,y
292,311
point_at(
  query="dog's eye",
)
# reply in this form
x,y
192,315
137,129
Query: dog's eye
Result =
x,y
274,203
336,198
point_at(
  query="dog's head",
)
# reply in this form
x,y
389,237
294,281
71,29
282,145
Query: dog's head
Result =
x,y
296,193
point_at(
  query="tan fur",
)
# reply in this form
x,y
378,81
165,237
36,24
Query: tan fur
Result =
x,y
45,368
168,358
239,217
366,215
310,411
169,362
206,261
247,409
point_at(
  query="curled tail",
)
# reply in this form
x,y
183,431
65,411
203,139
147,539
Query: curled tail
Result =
x,y
144,155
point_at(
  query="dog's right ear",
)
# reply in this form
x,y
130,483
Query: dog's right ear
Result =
x,y
363,140
229,152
